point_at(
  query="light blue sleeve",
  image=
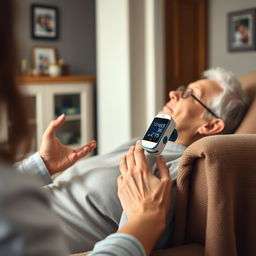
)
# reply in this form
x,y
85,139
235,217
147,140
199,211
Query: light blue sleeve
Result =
x,y
34,165
118,245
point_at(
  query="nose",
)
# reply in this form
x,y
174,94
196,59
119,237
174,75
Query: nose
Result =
x,y
174,95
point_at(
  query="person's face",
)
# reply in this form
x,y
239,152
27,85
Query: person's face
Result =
x,y
42,20
242,29
188,113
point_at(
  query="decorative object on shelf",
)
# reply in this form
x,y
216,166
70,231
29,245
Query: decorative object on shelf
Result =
x,y
65,70
24,67
54,70
44,21
36,72
242,30
43,56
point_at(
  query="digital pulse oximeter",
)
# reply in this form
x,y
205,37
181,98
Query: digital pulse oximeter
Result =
x,y
161,130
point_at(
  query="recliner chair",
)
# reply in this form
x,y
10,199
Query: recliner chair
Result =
x,y
216,192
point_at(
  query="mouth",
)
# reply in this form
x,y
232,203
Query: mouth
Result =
x,y
168,108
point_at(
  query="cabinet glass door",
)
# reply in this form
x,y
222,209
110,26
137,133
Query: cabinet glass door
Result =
x,y
69,104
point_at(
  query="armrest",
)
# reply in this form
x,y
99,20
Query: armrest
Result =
x,y
248,82
215,184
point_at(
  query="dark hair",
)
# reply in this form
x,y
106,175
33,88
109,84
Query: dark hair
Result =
x,y
10,99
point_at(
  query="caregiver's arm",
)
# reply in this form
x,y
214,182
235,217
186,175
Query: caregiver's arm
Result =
x,y
144,197
145,200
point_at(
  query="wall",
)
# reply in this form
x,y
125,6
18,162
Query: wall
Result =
x,y
76,43
113,74
129,68
238,62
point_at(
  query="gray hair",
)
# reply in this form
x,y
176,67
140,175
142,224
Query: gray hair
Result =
x,y
232,103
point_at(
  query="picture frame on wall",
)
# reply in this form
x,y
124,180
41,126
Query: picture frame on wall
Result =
x,y
42,57
242,30
44,21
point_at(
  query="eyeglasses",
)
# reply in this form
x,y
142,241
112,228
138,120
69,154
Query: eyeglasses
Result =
x,y
187,92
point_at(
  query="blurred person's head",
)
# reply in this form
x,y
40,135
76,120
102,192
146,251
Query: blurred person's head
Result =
x,y
213,105
11,102
243,32
42,20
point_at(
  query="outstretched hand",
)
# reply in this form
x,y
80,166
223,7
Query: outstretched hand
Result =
x,y
56,156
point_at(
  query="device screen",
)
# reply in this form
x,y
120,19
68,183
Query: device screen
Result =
x,y
156,129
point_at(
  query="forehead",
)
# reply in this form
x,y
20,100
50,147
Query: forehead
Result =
x,y
206,87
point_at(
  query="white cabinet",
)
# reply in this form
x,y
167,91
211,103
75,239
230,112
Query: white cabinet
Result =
x,y
48,98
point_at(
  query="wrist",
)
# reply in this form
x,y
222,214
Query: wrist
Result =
x,y
147,228
155,220
46,163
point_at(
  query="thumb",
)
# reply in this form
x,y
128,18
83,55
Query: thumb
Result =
x,y
51,129
162,168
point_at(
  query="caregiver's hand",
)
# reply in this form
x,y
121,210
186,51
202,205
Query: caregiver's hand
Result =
x,y
144,197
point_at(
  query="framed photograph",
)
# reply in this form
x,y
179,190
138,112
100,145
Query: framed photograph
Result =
x,y
44,21
242,30
42,57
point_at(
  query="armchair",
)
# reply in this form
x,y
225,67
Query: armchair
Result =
x,y
216,192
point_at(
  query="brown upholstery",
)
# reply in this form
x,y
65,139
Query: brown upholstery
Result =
x,y
248,124
216,195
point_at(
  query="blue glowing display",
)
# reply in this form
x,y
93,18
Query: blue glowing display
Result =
x,y
156,129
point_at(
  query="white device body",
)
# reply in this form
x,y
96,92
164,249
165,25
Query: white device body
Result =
x,y
158,134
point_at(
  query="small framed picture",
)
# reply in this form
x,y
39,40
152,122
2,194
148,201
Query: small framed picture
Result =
x,y
42,57
44,21
242,30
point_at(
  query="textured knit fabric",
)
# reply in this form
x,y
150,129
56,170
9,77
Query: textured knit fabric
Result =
x,y
248,82
216,195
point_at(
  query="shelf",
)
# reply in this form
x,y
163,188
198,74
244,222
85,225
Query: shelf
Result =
x,y
60,79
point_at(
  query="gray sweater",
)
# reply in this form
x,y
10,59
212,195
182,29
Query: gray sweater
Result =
x,y
85,196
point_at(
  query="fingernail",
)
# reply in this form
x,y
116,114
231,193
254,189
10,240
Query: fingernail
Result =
x,y
60,116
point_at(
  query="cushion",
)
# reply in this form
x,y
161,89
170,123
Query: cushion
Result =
x,y
248,124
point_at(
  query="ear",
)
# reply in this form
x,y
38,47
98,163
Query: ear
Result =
x,y
213,126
